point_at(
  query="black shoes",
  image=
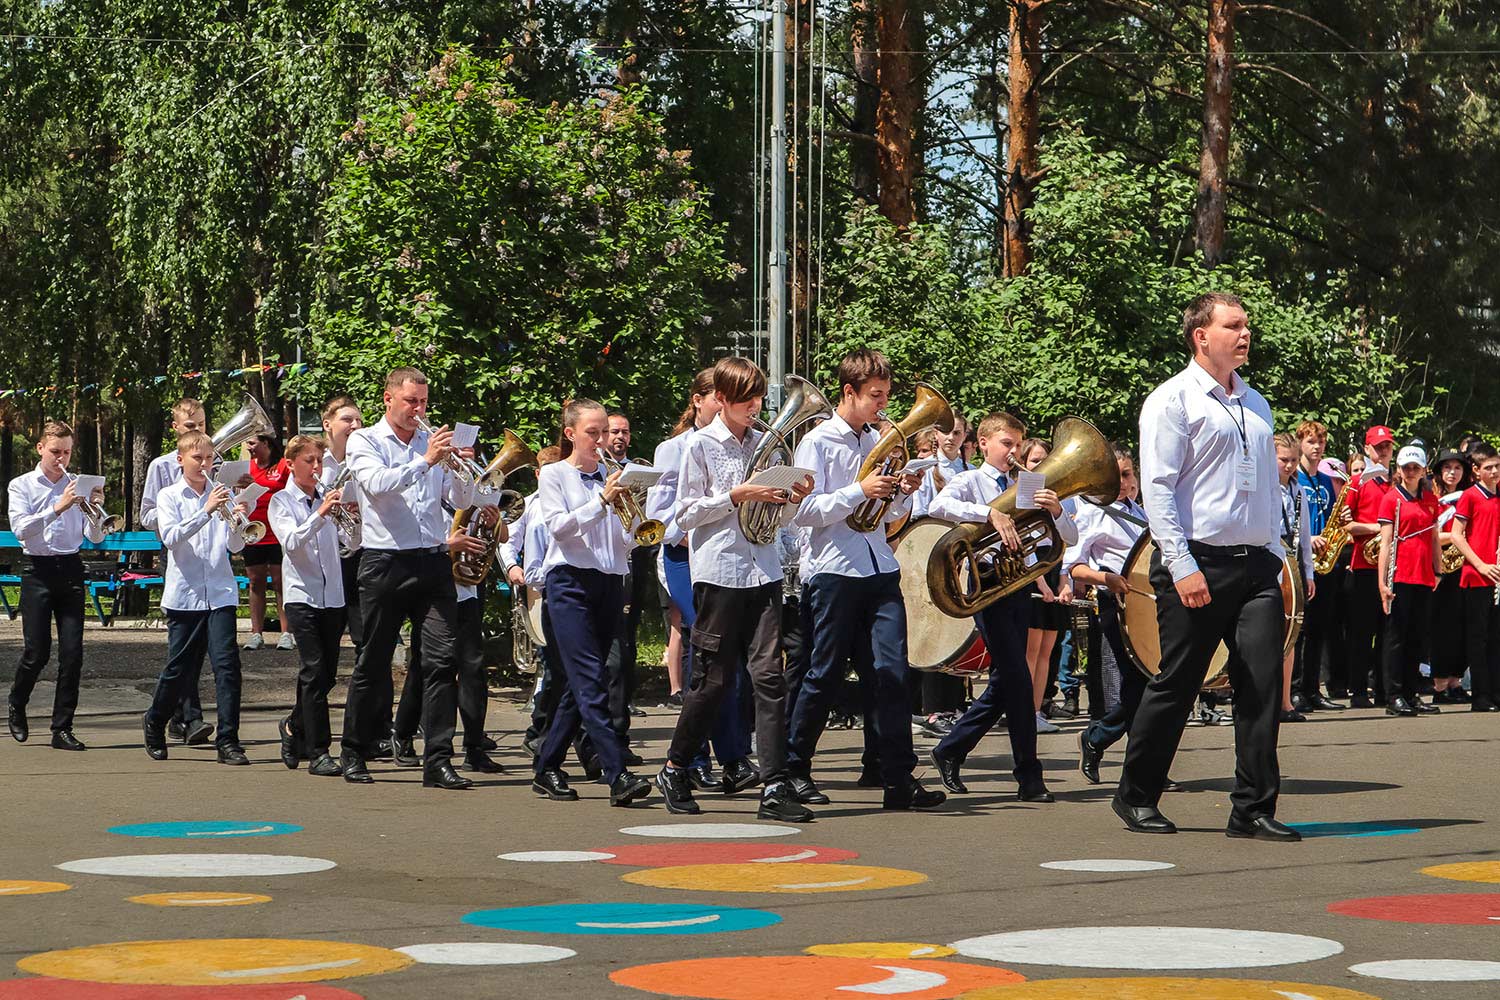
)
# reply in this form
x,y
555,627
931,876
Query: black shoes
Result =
x,y
290,757
627,788
870,777
382,750
176,732
1483,704
1425,707
1069,707
488,745
1142,819
703,778
677,790
20,731
1261,828
912,796
1088,759
443,776
404,754
1291,715
355,771
232,753
738,776
1035,790
532,745
1324,704
779,802
198,734
592,769
154,739
480,762
1400,706
632,759
553,784
947,769
1361,701
64,739
806,792
324,766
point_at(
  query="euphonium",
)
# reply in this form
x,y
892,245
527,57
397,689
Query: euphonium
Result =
x,y
970,569
760,521
645,530
889,456
1335,534
472,569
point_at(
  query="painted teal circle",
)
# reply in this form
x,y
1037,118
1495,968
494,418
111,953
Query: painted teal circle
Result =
x,y
1372,828
622,918
206,829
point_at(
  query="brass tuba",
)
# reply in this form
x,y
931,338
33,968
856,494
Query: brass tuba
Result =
x,y
970,569
248,423
1335,534
481,520
645,530
889,456
759,522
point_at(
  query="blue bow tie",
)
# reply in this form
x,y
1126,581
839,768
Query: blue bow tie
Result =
x,y
596,476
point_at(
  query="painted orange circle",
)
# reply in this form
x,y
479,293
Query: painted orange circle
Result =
x,y
881,949
199,899
808,977
796,877
25,888
1466,871
215,962
1147,988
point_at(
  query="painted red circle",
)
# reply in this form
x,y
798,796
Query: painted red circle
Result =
x,y
1434,908
720,852
808,977
45,988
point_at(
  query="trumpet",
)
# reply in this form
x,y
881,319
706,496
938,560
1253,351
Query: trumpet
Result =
x,y
347,521
645,530
889,456
759,522
240,523
98,518
465,470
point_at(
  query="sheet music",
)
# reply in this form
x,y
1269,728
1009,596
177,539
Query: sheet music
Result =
x,y
919,465
465,435
1027,483
781,477
249,495
232,472
636,475
85,486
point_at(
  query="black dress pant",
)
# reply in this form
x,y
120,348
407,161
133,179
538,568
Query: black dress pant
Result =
x,y
318,632
1245,612
395,586
1366,628
473,690
1106,731
1335,631
1482,631
1003,625
1307,665
1404,629
191,635
622,652
51,590
1448,634
353,618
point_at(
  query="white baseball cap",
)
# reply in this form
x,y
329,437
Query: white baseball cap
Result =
x,y
1412,455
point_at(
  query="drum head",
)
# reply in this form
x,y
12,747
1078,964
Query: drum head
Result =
x,y
533,600
934,641
1138,620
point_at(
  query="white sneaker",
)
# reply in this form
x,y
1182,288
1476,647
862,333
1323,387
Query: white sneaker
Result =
x,y
1044,725
257,641
286,641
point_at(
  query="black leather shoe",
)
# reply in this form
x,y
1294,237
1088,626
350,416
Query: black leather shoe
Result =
x,y
404,754
154,739
1088,759
1400,706
912,796
870,778
20,731
677,790
382,750
64,739
1325,704
233,753
779,802
704,779
355,771
1482,704
1300,704
1361,701
198,734
1035,791
807,793
324,766
488,745
554,785
948,770
1291,715
627,788
176,732
480,762
1142,819
291,753
1261,828
738,776
632,759
443,776
1171,786
592,769
1425,707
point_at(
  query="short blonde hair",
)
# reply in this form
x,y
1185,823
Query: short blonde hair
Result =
x,y
993,422
301,443
193,441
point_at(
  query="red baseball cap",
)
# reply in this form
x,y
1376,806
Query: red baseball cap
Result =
x,y
1379,434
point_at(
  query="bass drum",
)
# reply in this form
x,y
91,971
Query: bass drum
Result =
x,y
934,640
1138,616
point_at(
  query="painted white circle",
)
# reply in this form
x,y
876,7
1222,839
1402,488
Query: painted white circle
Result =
x,y
198,865
1430,970
485,953
710,831
556,856
1108,865
1153,948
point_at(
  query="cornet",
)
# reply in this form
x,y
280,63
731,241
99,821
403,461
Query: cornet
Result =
x,y
99,519
465,470
645,530
347,521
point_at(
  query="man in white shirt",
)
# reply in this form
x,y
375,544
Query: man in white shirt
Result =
x,y
1214,502
404,573
852,588
47,520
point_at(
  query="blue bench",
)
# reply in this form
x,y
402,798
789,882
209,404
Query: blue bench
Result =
x,y
123,542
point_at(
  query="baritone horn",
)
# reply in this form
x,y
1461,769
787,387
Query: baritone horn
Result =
x,y
482,520
759,521
889,456
970,568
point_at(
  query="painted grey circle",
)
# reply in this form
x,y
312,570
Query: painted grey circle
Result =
x,y
1108,865
709,831
198,865
485,953
556,856
1153,948
1430,970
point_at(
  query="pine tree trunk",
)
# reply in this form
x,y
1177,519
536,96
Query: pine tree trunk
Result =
x,y
864,165
896,114
1213,168
1024,132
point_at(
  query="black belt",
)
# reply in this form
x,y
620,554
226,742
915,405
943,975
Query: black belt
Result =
x,y
53,560
1225,551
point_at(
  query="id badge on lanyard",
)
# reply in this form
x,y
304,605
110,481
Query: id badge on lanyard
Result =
x,y
1244,470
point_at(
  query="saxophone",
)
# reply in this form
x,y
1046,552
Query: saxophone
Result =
x,y
1335,534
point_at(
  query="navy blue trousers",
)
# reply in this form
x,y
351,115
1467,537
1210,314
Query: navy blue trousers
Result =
x,y
1003,626
191,635
583,615
1107,730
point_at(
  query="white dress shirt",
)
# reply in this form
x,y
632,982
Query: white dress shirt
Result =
x,y
967,498
1104,542
921,501
661,498
1194,436
310,570
534,555
713,463
163,471
513,549
41,530
400,495
583,531
834,452
1301,518
198,544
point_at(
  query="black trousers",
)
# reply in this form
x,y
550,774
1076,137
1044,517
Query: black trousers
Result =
x,y
1335,631
353,618
1106,731
622,652
1003,625
190,635
473,690
1245,612
1366,627
318,632
736,628
1482,630
51,590
1404,629
1312,641
582,614
1448,634
395,587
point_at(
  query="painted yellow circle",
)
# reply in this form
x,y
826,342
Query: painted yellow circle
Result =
x,y
1164,989
215,962
200,899
1467,871
774,877
881,949
23,888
